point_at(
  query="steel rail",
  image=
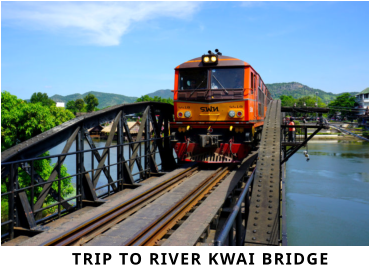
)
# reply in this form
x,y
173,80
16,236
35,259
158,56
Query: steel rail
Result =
x,y
89,226
153,232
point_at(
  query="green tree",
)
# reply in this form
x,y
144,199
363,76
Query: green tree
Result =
x,y
20,121
79,103
91,102
71,105
146,98
343,103
287,101
42,98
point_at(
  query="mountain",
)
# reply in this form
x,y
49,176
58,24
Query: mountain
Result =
x,y
163,93
297,90
105,99
293,89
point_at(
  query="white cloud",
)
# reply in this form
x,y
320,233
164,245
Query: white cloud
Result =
x,y
101,23
252,4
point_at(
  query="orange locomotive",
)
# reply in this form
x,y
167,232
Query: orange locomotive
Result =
x,y
219,107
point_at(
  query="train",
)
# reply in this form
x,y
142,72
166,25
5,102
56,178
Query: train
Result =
x,y
220,104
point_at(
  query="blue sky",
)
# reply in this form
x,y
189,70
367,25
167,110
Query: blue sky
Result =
x,y
132,48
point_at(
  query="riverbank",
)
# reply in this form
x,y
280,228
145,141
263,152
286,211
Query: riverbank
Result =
x,y
334,136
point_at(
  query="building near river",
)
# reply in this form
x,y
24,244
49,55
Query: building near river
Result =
x,y
363,101
60,104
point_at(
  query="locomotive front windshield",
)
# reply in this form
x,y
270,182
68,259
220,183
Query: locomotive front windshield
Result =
x,y
221,78
231,78
193,79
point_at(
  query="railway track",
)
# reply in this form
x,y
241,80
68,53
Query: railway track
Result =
x,y
156,230
96,226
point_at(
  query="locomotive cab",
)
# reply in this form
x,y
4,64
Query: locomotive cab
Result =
x,y
219,105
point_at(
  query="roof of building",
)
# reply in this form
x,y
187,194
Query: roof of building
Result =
x,y
132,125
365,91
97,128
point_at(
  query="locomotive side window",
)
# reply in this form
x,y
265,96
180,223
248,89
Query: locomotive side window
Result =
x,y
252,83
261,100
231,78
193,79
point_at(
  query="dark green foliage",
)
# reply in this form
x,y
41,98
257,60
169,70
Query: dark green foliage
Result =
x,y
21,120
91,102
42,98
155,99
343,104
71,105
366,133
308,101
79,104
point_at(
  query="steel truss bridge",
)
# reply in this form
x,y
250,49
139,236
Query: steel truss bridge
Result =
x,y
135,193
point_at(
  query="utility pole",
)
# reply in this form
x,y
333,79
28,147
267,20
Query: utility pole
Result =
x,y
316,93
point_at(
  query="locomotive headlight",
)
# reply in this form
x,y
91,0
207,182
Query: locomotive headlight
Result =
x,y
231,114
187,114
210,59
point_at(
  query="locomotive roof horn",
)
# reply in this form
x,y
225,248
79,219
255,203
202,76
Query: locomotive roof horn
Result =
x,y
218,52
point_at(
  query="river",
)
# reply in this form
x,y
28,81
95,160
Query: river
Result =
x,y
328,197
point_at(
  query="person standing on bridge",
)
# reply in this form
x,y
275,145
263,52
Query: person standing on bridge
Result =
x,y
291,131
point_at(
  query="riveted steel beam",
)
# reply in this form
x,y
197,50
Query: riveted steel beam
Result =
x,y
263,221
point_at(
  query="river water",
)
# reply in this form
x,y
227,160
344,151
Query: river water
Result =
x,y
70,161
328,197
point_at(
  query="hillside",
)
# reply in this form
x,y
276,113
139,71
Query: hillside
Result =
x,y
105,99
163,93
297,90
293,89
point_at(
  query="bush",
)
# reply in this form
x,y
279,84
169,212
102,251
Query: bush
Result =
x,y
366,134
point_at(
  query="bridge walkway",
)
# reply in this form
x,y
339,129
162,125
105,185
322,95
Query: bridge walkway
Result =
x,y
199,220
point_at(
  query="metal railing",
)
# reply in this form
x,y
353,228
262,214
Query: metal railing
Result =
x,y
235,218
21,198
299,135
